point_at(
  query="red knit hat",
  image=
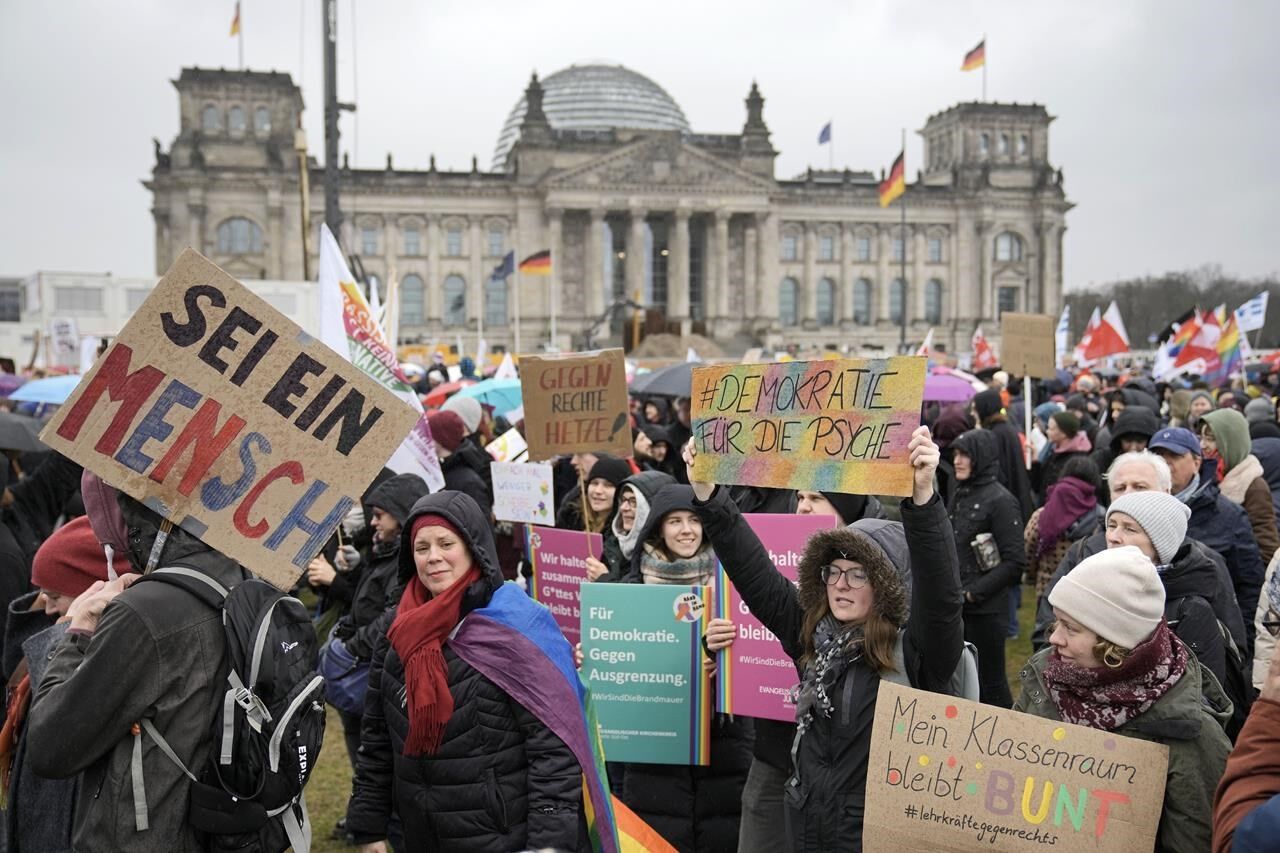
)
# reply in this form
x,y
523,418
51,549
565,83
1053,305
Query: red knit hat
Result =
x,y
433,520
447,429
70,560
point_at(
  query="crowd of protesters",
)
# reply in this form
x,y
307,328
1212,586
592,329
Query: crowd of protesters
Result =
x,y
1138,519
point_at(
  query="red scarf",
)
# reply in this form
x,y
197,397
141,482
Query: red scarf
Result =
x,y
418,633
1105,698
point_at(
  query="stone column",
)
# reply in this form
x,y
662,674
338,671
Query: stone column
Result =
x,y
986,285
435,295
475,266
678,292
555,222
885,270
808,307
593,279
750,274
275,242
635,254
721,227
844,311
916,287
768,243
195,237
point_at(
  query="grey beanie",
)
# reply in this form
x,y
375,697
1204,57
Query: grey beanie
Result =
x,y
1259,409
1162,517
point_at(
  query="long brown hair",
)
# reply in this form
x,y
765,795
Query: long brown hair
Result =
x,y
879,636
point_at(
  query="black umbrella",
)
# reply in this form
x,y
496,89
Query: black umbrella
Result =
x,y
673,381
19,433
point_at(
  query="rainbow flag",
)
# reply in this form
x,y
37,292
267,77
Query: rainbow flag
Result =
x,y
1230,353
516,644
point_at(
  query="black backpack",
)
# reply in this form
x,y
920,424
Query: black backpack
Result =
x,y
267,728
1239,682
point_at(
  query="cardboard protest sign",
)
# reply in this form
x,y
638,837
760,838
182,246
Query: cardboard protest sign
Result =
x,y
1027,344
951,775
522,491
223,416
642,660
841,425
575,403
559,560
756,676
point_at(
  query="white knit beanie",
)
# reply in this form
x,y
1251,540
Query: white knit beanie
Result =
x,y
1162,517
1116,594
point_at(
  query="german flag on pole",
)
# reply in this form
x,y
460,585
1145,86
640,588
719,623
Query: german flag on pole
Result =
x,y
894,185
975,58
539,263
235,22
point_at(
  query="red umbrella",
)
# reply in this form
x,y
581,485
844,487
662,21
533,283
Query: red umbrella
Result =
x,y
437,395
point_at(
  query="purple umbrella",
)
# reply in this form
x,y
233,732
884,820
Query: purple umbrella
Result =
x,y
10,382
947,389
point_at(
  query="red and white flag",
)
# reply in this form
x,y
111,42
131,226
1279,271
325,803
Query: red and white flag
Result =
x,y
926,348
984,356
1104,336
1200,354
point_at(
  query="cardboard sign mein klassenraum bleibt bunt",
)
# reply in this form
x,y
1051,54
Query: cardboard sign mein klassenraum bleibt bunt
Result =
x,y
575,403
224,416
950,775
841,425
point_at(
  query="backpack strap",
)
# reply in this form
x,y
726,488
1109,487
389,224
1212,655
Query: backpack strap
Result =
x,y
140,817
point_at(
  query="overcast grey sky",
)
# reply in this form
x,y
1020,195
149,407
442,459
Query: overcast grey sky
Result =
x,y
1167,110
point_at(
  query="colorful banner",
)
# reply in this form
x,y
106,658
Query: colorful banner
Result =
x,y
643,662
508,447
755,675
347,325
559,560
951,775
522,491
576,403
841,425
223,416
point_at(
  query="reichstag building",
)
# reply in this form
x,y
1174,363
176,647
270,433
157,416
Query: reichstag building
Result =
x,y
598,164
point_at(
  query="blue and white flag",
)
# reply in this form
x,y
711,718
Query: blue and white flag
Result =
x,y
824,136
1252,314
1062,334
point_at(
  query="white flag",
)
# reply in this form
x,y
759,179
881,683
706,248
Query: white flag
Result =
x,y
1252,315
1062,335
347,326
507,369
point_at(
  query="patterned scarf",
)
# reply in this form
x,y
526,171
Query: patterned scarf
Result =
x,y
1105,698
418,633
656,568
836,647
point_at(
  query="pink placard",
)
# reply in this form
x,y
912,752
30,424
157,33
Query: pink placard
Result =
x,y
756,675
559,568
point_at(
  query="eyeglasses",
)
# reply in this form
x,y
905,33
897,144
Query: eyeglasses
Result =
x,y
856,577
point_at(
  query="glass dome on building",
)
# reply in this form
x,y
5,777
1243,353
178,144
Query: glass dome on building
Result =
x,y
596,96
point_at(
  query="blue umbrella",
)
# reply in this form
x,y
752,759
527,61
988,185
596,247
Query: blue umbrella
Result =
x,y
501,395
55,389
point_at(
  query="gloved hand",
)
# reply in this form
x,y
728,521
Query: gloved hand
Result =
x,y
347,558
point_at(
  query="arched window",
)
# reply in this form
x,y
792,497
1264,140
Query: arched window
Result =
x,y
933,301
412,300
897,299
495,302
1008,247
455,301
984,144
210,120
862,302
788,302
826,302
239,236
1004,143
235,120
262,121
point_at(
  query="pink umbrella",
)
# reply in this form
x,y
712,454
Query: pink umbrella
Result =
x,y
944,388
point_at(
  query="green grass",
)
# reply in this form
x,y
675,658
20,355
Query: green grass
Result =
x,y
1017,651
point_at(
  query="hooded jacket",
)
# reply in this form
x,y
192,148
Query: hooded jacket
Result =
x,y
1246,810
693,808
1188,719
621,545
378,591
1224,527
1134,421
466,470
825,800
501,780
1244,483
157,653
1013,470
1267,451
981,505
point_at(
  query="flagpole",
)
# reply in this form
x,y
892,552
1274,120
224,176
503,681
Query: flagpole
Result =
x,y
902,318
240,36
831,149
515,278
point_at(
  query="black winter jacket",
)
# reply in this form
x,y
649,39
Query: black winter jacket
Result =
x,y
501,780
462,474
377,593
1224,527
825,800
982,505
1013,469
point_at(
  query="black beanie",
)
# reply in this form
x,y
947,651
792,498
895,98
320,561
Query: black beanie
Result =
x,y
1067,422
850,507
987,403
610,468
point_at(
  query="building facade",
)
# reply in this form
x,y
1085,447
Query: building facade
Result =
x,y
597,163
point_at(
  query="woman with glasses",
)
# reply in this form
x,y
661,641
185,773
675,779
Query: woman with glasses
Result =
x,y
630,512
988,531
847,627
